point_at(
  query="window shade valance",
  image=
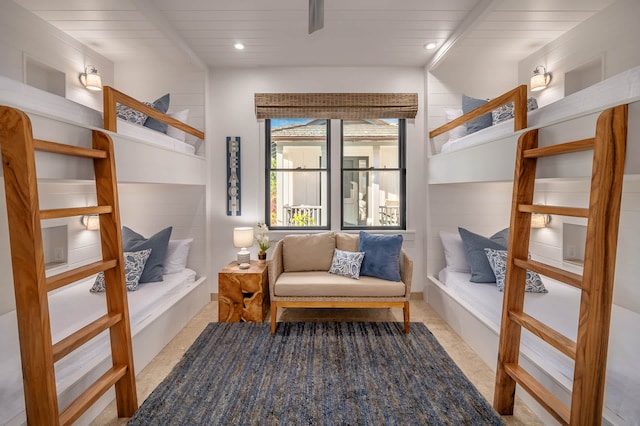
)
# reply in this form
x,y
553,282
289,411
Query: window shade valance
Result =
x,y
346,106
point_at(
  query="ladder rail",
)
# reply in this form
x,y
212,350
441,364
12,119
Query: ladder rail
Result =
x,y
32,286
596,284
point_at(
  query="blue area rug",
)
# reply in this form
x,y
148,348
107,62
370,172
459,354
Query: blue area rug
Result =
x,y
343,373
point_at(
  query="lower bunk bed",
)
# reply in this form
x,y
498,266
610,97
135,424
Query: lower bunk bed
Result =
x,y
474,311
158,311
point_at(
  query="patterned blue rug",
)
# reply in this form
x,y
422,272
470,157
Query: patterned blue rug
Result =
x,y
338,373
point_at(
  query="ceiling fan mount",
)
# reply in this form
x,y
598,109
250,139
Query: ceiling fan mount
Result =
x,y
316,15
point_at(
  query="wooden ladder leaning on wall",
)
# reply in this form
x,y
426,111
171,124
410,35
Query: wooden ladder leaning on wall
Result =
x,y
32,287
596,284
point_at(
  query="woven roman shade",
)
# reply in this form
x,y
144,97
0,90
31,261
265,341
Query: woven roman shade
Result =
x,y
346,106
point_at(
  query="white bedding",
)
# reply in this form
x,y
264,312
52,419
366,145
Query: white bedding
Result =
x,y
32,100
621,88
559,309
71,309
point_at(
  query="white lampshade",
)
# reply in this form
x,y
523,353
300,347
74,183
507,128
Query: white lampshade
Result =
x,y
91,222
540,79
91,79
539,220
243,237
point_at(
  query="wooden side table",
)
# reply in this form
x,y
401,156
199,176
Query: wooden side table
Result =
x,y
243,294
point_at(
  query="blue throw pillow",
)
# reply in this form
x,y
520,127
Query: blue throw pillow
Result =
x,y
346,263
132,241
381,255
162,105
498,261
468,105
474,246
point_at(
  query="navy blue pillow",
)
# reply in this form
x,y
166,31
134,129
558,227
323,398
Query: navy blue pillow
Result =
x,y
162,105
132,241
469,104
474,245
381,255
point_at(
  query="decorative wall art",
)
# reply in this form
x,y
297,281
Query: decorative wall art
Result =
x,y
233,176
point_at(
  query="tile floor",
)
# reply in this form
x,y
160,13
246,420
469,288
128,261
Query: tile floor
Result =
x,y
477,371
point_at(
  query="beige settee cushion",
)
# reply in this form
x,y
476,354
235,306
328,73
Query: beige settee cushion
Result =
x,y
309,252
346,242
324,284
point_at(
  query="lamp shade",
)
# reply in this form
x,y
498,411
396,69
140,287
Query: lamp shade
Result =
x,y
539,220
540,79
243,237
91,79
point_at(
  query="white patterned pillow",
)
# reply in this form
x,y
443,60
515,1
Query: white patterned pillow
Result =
x,y
130,114
133,266
505,112
498,261
346,263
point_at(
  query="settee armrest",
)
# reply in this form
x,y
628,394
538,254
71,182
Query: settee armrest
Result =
x,y
406,271
275,266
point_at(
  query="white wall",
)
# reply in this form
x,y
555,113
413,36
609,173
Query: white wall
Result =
x,y
230,112
612,34
23,34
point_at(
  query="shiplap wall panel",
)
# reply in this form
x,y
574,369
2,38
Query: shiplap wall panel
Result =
x,y
23,33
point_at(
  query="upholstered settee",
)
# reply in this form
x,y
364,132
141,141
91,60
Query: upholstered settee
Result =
x,y
299,274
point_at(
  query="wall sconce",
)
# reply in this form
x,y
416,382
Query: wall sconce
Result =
x,y
91,222
540,79
91,79
243,238
539,220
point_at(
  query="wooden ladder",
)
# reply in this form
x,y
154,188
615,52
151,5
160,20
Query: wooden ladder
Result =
x,y
596,284
32,287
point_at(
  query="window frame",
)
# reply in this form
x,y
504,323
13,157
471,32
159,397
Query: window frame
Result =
x,y
269,170
401,169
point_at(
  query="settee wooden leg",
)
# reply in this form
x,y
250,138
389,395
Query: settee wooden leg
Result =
x,y
406,317
274,309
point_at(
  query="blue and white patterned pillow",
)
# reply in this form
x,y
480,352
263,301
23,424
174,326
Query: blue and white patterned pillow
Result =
x,y
505,112
130,114
498,261
346,263
133,266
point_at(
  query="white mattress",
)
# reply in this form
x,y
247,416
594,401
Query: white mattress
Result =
x,y
559,309
32,100
616,90
71,309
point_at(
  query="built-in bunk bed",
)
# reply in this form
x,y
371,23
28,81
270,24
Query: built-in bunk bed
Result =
x,y
151,167
470,187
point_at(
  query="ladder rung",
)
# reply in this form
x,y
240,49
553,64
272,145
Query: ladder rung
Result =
x,y
545,398
91,395
60,148
546,333
558,210
74,211
82,336
561,148
566,277
68,277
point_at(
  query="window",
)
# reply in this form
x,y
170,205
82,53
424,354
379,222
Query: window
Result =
x,y
297,173
373,174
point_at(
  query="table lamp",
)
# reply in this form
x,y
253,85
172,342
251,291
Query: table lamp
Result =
x,y
243,238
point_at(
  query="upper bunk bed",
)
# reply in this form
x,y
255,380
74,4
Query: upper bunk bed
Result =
x,y
488,155
143,155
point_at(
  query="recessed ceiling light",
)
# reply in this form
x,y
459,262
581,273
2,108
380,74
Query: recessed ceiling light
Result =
x,y
430,46
239,46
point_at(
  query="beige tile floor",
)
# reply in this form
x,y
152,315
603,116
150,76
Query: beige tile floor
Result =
x,y
475,369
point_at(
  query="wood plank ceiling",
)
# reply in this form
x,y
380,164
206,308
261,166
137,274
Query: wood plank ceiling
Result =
x,y
356,32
